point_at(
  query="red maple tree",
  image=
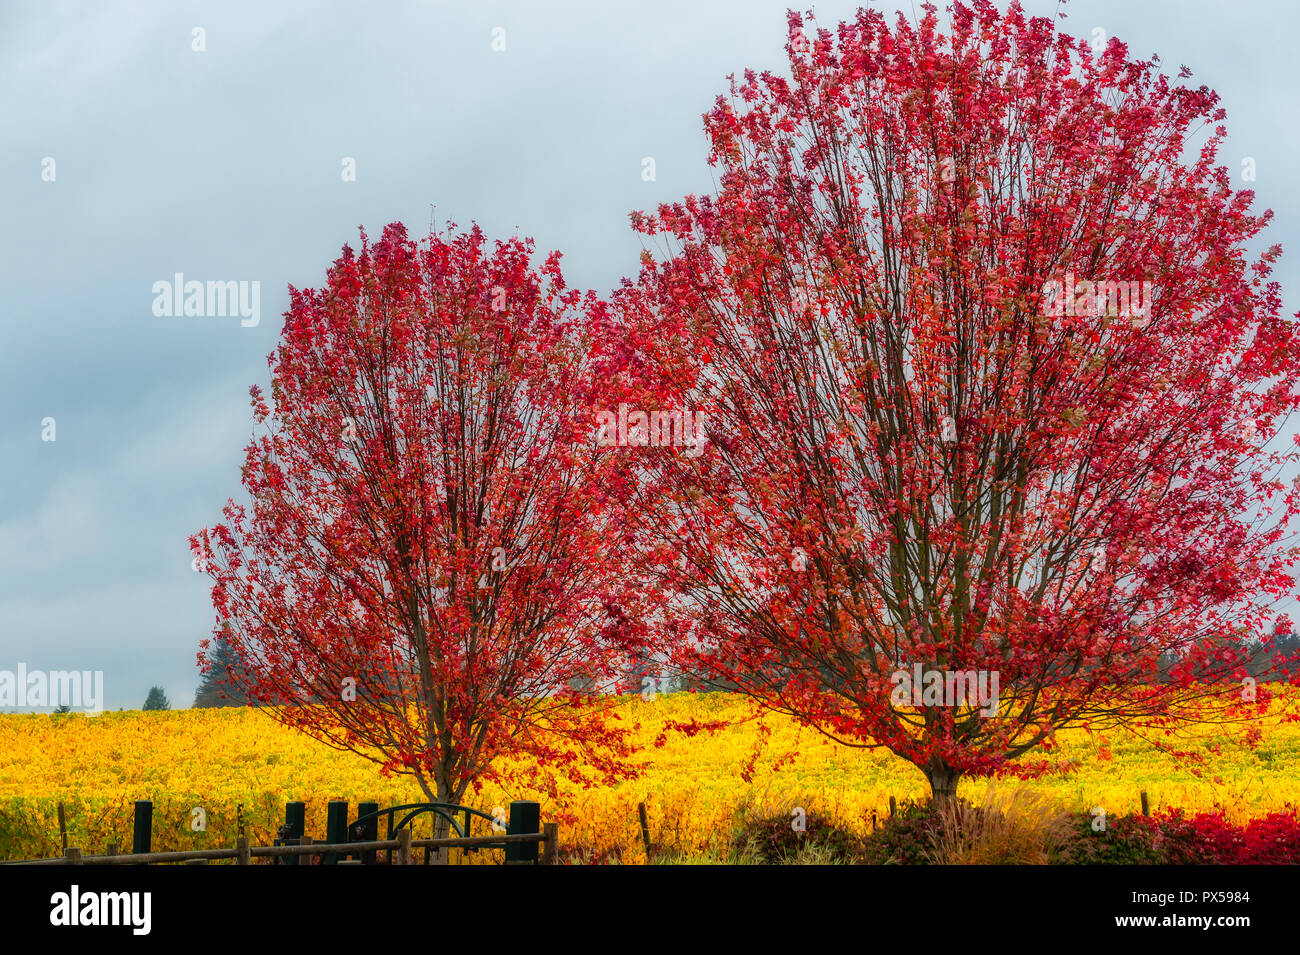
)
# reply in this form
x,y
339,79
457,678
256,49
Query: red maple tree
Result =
x,y
425,571
992,387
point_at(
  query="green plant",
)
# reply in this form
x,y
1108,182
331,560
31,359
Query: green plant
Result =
x,y
1129,840
795,837
902,839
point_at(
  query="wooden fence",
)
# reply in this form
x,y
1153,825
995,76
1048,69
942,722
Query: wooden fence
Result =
x,y
244,854
522,847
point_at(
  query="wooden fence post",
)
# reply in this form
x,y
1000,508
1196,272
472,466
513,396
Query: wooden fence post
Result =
x,y
551,854
404,846
142,834
367,831
525,816
1146,806
73,855
295,827
63,828
645,829
336,828
893,807
245,856
111,850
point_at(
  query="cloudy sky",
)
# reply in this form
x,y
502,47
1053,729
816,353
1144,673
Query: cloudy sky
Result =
x,y
225,164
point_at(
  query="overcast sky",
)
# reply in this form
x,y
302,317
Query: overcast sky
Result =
x,y
226,164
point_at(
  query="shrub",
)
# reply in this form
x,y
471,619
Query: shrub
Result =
x,y
1173,838
1127,840
773,840
1207,838
1272,840
902,839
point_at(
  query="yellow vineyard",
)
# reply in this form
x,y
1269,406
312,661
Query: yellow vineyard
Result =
x,y
219,760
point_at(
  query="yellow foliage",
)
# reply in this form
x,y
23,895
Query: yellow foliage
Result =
x,y
221,759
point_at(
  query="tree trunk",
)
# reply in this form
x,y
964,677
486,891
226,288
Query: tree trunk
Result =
x,y
943,782
438,792
441,830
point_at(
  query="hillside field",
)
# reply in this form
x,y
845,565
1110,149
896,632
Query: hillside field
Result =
x,y
219,759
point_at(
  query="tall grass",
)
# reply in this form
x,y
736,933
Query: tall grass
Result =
x,y
1005,827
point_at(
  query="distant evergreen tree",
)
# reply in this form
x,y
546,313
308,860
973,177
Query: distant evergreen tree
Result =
x,y
638,668
157,699
1276,659
217,688
1165,663
1286,652
583,684
1279,660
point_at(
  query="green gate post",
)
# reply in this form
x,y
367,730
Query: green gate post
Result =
x,y
525,816
336,828
142,836
367,831
295,827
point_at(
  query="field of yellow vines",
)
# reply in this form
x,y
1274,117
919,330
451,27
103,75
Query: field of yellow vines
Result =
x,y
222,759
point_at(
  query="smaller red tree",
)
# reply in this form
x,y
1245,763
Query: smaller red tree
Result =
x,y
427,567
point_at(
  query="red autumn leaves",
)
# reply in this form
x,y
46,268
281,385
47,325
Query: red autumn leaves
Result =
x,y
912,457
429,556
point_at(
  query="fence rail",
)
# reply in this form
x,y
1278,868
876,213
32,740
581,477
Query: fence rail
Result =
x,y
333,850
244,853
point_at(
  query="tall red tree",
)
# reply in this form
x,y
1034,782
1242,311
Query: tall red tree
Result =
x,y
426,566
992,386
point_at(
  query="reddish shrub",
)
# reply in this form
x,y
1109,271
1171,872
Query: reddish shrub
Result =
x,y
1208,838
1273,839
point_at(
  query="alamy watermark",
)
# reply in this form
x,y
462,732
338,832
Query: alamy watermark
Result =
x,y
129,909
75,689
1090,299
922,687
194,299
655,429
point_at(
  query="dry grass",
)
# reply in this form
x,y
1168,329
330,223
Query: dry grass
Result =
x,y
1005,827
